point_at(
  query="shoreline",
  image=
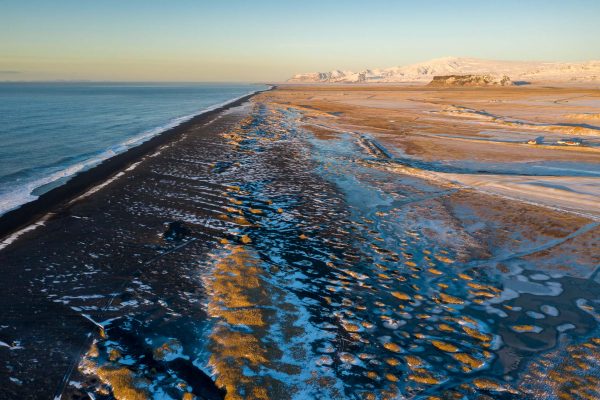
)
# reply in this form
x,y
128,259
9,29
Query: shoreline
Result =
x,y
99,247
18,220
250,231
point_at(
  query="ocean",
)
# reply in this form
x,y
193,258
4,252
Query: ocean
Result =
x,y
51,131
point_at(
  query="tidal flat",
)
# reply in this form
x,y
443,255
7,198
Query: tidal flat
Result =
x,y
334,242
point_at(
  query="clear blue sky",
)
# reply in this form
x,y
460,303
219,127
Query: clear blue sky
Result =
x,y
242,40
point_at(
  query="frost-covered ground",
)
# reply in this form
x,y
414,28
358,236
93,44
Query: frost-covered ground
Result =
x,y
478,138
405,286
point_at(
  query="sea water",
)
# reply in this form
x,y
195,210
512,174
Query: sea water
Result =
x,y
51,131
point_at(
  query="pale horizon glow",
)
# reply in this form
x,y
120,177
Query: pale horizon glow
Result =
x,y
268,41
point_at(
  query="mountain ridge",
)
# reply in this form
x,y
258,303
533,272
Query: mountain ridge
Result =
x,y
529,71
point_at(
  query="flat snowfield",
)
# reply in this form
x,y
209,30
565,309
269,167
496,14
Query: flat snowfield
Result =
x,y
476,137
325,242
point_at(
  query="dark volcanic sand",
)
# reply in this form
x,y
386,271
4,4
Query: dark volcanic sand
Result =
x,y
287,265
110,246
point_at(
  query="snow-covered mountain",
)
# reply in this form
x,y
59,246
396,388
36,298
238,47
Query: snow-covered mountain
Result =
x,y
529,71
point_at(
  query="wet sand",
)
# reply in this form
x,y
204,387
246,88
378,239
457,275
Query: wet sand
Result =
x,y
301,246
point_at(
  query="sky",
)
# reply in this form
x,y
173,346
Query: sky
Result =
x,y
264,40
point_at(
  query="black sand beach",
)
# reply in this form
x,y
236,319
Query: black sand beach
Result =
x,y
98,247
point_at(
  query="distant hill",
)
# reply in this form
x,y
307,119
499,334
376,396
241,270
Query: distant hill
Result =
x,y
527,71
470,80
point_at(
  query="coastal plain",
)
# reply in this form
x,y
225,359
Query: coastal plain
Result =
x,y
332,241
